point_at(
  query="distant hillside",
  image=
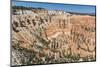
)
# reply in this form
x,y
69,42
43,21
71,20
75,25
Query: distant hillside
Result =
x,y
91,14
26,8
39,8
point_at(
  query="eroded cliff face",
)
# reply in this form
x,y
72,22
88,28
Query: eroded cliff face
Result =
x,y
46,37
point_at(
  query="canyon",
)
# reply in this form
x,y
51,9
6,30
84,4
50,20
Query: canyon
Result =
x,y
41,36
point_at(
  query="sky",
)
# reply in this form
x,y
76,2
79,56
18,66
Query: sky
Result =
x,y
57,6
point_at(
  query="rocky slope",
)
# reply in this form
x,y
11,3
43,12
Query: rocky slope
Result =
x,y
42,36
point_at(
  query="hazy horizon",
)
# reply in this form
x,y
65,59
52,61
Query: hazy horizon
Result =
x,y
57,6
